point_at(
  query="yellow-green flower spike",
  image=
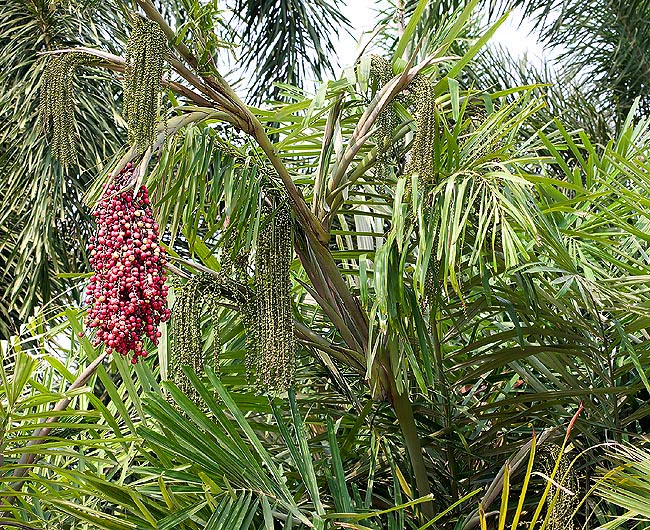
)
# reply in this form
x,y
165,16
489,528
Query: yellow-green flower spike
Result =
x,y
421,160
146,50
274,319
199,292
56,107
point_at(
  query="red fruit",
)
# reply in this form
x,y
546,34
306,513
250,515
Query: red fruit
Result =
x,y
124,306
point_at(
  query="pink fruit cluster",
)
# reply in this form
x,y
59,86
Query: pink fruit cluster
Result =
x,y
127,291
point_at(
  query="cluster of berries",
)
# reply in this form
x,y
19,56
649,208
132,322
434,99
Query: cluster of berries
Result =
x,y
127,291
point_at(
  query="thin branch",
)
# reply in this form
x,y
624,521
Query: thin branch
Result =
x,y
117,63
194,265
323,161
335,198
309,337
336,319
15,524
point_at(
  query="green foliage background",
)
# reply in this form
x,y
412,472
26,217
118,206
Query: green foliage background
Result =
x,y
468,340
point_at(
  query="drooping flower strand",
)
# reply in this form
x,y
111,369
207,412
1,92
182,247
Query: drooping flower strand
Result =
x,y
127,292
421,159
274,319
56,108
562,503
198,293
264,306
432,287
421,162
243,293
248,308
381,72
146,50
419,98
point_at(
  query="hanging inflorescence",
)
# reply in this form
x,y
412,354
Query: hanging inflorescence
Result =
x,y
145,62
568,496
420,95
265,308
264,303
273,326
419,98
381,71
193,298
243,293
421,161
57,103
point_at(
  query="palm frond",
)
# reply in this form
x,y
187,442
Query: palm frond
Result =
x,y
286,41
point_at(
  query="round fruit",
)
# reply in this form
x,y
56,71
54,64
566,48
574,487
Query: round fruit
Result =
x,y
127,292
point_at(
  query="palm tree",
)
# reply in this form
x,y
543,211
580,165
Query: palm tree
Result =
x,y
467,295
42,225
604,45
